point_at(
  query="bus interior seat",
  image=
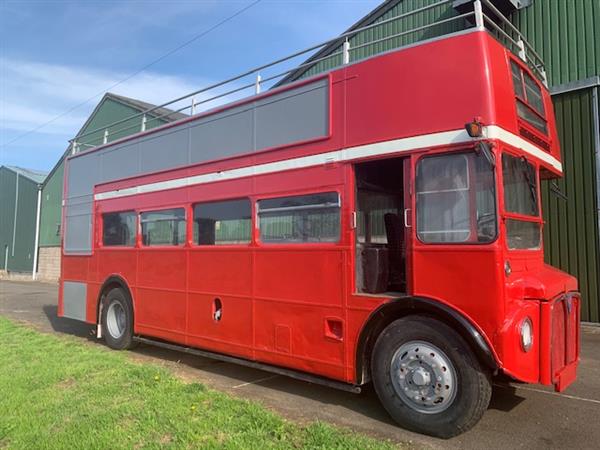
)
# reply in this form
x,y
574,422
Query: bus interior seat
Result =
x,y
394,231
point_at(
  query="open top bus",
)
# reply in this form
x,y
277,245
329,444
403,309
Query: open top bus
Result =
x,y
380,222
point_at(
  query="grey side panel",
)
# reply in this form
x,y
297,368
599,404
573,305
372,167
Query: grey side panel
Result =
x,y
223,135
296,115
165,151
78,238
84,173
293,117
121,163
74,300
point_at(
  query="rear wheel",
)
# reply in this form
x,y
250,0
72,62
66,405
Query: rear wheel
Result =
x,y
427,377
117,320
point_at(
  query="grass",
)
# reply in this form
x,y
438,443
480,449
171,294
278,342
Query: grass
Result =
x,y
60,392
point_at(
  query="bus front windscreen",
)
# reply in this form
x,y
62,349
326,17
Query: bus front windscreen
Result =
x,y
521,203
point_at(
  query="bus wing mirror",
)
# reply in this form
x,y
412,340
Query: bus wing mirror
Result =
x,y
556,191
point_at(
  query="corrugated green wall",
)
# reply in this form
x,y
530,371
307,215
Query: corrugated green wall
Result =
x,y
111,111
394,27
571,229
108,112
51,208
20,257
566,34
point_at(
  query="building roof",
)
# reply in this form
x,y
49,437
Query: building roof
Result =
x,y
370,18
37,176
169,114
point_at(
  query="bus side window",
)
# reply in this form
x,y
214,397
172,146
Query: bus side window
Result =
x,y
223,223
300,219
165,227
118,229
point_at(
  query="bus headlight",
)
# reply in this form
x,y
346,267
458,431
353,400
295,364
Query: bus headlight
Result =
x,y
526,331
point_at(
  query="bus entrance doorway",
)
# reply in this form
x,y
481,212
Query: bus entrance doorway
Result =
x,y
380,229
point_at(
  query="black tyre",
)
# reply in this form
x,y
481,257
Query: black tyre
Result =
x,y
117,320
427,377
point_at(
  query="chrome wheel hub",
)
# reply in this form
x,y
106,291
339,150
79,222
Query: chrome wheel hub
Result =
x,y
423,377
116,320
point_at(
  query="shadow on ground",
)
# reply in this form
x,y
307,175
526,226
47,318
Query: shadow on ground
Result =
x,y
504,398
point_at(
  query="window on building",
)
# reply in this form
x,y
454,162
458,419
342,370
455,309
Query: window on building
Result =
x,y
530,102
118,229
300,219
223,223
456,199
165,227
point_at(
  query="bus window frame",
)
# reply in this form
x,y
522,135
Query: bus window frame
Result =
x,y
507,215
251,241
99,220
140,237
449,151
523,99
297,193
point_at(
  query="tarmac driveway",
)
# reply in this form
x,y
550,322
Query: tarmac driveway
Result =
x,y
520,416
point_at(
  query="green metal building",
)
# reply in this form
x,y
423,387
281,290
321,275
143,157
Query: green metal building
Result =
x,y
111,108
18,210
566,34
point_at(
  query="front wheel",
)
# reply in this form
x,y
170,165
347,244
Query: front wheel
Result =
x,y
427,377
117,320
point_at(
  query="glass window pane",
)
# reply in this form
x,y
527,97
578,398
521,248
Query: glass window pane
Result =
x,y
444,217
300,219
443,173
456,199
520,186
530,117
529,99
534,94
165,227
223,223
119,229
443,199
517,81
522,235
298,201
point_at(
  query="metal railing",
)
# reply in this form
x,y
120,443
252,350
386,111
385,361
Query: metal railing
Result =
x,y
254,79
513,37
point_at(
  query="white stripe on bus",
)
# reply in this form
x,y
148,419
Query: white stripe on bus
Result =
x,y
347,154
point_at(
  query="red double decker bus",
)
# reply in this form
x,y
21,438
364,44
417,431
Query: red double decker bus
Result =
x,y
344,229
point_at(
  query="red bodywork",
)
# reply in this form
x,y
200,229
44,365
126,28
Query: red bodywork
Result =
x,y
295,305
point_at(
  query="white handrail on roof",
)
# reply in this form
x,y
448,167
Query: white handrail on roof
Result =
x,y
258,82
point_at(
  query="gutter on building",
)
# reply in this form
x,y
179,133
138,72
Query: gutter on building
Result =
x,y
596,119
36,248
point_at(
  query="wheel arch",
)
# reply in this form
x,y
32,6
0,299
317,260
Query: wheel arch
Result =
x,y
407,306
113,281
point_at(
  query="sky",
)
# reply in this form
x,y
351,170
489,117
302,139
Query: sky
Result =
x,y
56,55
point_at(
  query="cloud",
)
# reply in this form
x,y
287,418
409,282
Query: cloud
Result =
x,y
33,93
